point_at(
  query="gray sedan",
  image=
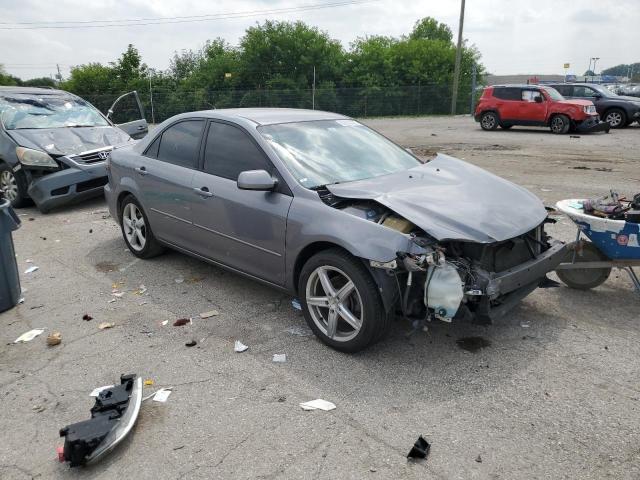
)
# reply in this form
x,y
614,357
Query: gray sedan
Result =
x,y
319,205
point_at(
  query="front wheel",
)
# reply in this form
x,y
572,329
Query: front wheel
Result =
x,y
340,301
616,118
14,185
489,121
584,278
560,124
136,230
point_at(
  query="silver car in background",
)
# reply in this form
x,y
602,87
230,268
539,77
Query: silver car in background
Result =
x,y
321,206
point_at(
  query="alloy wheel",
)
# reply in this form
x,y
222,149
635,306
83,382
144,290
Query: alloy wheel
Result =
x,y
135,228
9,184
557,124
614,119
488,121
334,303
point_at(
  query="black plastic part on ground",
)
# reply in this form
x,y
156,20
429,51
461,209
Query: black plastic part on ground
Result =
x,y
82,438
420,449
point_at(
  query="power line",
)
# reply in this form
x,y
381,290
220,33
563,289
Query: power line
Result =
x,y
173,20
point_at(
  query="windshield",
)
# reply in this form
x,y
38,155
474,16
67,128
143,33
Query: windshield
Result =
x,y
22,111
324,152
554,94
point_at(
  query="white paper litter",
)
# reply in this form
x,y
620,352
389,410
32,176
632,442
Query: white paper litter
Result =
x,y
318,404
211,313
112,300
97,390
239,346
28,260
30,335
118,294
165,322
162,395
31,269
295,303
179,280
280,357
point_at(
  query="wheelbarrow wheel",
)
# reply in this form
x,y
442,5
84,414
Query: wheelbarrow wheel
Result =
x,y
584,278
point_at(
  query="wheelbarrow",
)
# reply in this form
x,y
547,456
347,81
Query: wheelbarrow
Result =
x,y
609,243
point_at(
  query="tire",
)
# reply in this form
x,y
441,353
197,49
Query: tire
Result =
x,y
616,118
560,124
506,127
368,319
489,121
584,278
15,186
138,237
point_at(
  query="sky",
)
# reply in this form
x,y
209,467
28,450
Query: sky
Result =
x,y
513,36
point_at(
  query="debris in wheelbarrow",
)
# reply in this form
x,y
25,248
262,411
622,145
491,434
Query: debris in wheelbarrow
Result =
x,y
112,418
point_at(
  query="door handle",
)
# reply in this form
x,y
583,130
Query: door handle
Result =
x,y
141,127
141,170
203,192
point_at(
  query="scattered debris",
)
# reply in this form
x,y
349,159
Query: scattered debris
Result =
x,y
179,447
179,280
97,390
282,399
105,325
318,404
148,382
117,294
211,313
112,418
574,136
162,395
39,408
473,344
239,347
20,300
28,260
31,219
300,331
90,230
86,317
192,343
548,283
142,303
165,322
31,269
420,449
112,300
28,336
54,338
479,459
279,357
525,324
140,291
181,322
295,303
36,306
546,190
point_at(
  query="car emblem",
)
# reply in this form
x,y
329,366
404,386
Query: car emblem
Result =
x,y
103,155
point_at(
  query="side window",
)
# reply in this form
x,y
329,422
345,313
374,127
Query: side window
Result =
x,y
180,142
530,95
229,151
583,92
507,93
152,151
565,90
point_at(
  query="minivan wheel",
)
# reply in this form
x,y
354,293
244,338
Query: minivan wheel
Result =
x,y
14,185
489,121
340,301
616,118
560,124
136,230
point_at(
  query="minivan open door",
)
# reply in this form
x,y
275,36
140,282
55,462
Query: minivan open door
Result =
x,y
127,113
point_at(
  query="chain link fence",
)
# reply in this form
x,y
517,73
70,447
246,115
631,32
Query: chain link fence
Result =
x,y
414,100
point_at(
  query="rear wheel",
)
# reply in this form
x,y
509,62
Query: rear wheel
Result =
x,y
136,230
340,301
560,124
489,121
584,278
616,118
14,185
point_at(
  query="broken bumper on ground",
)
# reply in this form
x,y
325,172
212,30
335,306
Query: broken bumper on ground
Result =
x,y
593,124
74,182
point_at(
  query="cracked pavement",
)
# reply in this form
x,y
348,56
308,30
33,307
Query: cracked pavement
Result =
x,y
554,395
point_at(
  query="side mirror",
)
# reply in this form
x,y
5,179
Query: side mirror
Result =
x,y
538,99
259,180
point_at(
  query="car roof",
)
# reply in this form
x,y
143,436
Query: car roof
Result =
x,y
33,91
520,85
270,116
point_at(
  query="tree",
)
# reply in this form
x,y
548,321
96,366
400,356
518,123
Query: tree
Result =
x,y
129,67
6,79
39,82
622,70
589,73
429,28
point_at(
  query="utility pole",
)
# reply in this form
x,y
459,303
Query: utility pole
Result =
x,y
313,90
595,59
59,75
153,117
474,73
456,71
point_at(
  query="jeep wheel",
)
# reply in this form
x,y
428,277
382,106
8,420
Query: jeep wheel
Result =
x,y
560,124
489,121
616,118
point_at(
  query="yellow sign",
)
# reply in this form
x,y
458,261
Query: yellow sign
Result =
x,y
227,75
567,65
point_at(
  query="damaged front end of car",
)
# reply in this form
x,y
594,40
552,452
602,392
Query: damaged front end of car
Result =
x,y
463,261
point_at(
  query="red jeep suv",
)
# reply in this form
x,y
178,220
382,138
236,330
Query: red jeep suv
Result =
x,y
535,105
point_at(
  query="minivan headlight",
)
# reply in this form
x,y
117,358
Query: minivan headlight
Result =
x,y
35,158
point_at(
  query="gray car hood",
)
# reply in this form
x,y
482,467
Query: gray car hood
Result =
x,y
69,141
452,200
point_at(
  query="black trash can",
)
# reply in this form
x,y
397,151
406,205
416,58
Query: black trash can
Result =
x,y
10,290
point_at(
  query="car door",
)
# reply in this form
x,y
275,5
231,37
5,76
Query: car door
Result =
x,y
164,174
508,103
127,114
534,105
242,229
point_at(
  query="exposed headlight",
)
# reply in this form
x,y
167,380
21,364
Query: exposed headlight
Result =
x,y
590,109
35,158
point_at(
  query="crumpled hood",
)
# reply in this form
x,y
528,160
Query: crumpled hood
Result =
x,y
575,101
69,141
452,200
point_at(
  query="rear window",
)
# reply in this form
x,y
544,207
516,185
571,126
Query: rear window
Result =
x,y
507,93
